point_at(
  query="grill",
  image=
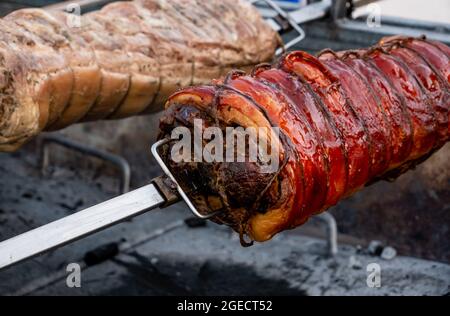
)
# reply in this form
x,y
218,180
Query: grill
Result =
x,y
168,253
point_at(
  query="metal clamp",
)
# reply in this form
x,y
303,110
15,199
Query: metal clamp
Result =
x,y
180,191
168,190
118,161
291,22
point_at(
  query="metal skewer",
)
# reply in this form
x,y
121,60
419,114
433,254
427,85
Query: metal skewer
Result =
x,y
160,193
79,225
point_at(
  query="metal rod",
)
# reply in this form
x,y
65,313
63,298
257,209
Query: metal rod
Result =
x,y
331,231
292,22
125,247
311,12
407,29
120,162
79,225
166,170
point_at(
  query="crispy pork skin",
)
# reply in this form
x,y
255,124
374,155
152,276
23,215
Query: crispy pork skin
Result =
x,y
346,119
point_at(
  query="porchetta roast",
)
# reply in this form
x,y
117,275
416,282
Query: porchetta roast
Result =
x,y
346,119
57,69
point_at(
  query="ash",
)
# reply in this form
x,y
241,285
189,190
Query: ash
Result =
x,y
160,253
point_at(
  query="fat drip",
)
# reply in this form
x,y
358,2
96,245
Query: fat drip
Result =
x,y
347,119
